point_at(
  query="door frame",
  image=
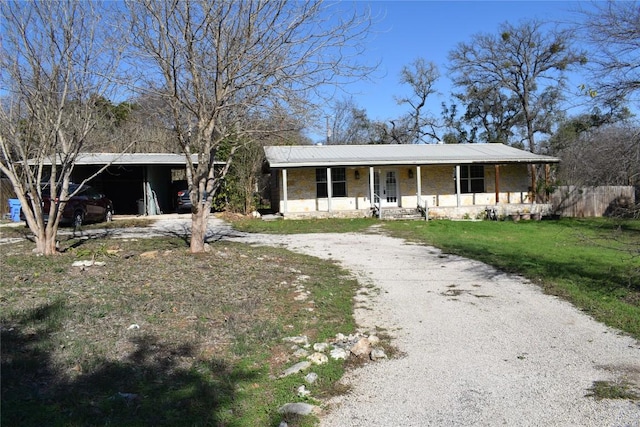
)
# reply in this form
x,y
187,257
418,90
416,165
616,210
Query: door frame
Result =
x,y
380,187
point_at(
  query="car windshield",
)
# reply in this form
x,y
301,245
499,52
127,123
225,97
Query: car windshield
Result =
x,y
45,188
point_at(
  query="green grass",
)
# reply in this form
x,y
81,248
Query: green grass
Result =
x,y
209,343
612,390
211,325
303,225
593,263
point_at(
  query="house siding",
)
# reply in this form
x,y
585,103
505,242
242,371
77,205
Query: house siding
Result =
x,y
301,191
437,184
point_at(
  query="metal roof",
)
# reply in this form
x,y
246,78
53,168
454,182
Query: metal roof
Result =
x,y
130,159
133,159
374,155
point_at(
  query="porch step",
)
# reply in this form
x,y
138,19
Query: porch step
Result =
x,y
401,213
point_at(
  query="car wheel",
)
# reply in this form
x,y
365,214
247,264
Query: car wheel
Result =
x,y
108,215
78,218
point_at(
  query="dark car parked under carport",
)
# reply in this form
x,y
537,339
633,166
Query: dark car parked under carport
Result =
x,y
88,205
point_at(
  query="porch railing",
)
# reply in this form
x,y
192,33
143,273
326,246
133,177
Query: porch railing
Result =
x,y
423,207
377,206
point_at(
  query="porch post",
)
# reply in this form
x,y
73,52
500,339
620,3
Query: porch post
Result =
x,y
329,189
419,185
534,194
284,191
371,190
547,172
497,184
458,185
145,196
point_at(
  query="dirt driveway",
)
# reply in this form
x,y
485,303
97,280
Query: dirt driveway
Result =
x,y
478,347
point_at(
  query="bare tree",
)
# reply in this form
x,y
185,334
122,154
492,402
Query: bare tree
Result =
x,y
421,76
245,183
491,115
525,62
349,124
612,29
55,67
215,63
598,154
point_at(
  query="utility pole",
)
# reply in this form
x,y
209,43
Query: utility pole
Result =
x,y
328,131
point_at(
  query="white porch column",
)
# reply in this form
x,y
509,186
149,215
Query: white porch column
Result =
x,y
371,190
419,184
458,185
329,189
284,191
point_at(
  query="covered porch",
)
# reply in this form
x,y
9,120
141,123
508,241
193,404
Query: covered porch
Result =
x,y
458,185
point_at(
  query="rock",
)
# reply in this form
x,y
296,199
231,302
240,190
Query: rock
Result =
x,y
283,424
361,348
302,340
88,263
303,392
311,377
299,408
300,366
373,340
377,353
133,327
318,358
301,296
149,254
300,353
321,346
338,353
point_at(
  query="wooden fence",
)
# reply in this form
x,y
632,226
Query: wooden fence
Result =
x,y
575,201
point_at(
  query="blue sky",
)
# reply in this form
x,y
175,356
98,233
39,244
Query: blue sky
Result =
x,y
406,30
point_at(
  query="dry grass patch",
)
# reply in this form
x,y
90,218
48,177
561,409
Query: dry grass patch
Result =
x,y
158,336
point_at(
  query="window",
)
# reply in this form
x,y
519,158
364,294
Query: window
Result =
x,y
472,179
338,182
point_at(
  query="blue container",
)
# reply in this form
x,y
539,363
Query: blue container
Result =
x,y
14,209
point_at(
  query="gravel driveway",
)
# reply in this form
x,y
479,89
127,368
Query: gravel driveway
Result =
x,y
479,347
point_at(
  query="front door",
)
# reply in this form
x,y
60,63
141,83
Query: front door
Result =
x,y
387,187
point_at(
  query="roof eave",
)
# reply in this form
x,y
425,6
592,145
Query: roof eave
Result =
x,y
283,165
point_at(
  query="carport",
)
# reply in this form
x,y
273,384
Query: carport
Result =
x,y
137,183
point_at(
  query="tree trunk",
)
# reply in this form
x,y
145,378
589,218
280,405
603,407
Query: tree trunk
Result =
x,y
46,241
199,222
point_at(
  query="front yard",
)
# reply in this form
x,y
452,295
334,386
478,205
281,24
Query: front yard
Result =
x,y
157,336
